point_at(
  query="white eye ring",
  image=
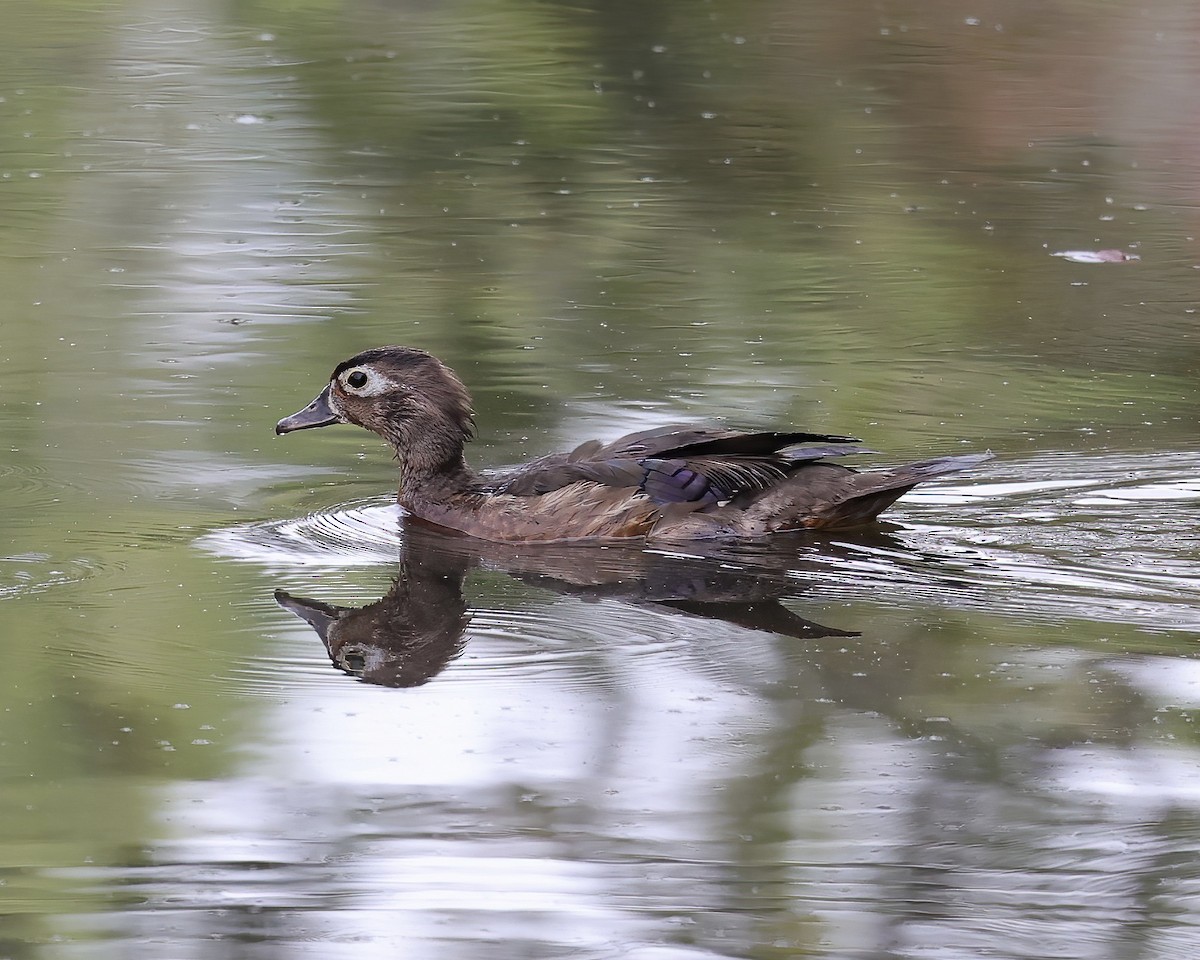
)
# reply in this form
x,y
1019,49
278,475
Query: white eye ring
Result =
x,y
374,383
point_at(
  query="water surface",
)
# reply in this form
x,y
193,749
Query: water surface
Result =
x,y
969,733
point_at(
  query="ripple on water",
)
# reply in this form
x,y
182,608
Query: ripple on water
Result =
x,y
1052,536
34,572
565,642
1049,537
494,616
360,533
575,643
27,485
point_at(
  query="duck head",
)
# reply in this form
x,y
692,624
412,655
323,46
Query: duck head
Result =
x,y
406,396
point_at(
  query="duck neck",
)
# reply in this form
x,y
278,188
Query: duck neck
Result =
x,y
433,473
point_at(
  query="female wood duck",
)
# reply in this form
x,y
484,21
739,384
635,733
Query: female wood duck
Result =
x,y
670,484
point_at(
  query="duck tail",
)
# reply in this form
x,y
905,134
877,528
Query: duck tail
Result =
x,y
874,492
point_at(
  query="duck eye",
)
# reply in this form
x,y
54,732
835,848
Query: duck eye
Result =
x,y
357,379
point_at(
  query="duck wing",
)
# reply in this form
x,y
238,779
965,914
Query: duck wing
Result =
x,y
677,464
684,440
734,444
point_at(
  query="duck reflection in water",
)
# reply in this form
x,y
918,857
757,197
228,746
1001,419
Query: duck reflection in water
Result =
x,y
408,636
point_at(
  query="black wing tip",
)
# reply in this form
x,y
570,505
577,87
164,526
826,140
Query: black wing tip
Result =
x,y
763,443
820,438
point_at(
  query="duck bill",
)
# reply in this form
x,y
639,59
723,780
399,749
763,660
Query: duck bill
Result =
x,y
319,413
320,616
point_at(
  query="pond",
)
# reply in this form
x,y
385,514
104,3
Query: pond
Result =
x,y
250,712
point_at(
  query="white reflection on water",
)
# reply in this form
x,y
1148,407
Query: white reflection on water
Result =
x,y
1139,780
212,221
573,807
597,779
428,823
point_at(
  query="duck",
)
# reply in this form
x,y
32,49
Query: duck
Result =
x,y
671,484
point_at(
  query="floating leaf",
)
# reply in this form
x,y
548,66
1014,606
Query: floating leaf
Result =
x,y
1096,256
